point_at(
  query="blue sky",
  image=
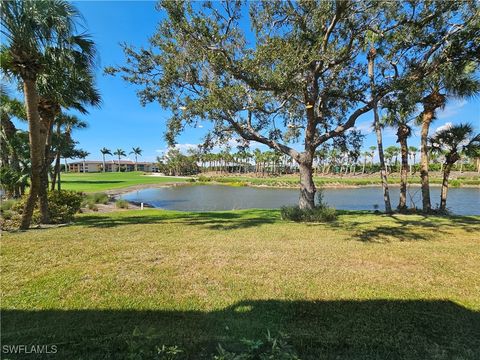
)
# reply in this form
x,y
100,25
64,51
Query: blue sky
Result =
x,y
122,122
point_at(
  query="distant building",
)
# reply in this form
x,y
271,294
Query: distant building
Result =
x,y
111,166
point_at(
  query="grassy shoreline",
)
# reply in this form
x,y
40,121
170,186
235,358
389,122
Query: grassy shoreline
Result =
x,y
292,181
365,286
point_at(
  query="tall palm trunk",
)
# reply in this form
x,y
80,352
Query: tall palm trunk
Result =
x,y
402,133
56,172
104,165
444,192
378,130
430,104
426,120
47,113
36,149
56,168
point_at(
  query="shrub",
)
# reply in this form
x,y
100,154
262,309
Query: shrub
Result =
x,y
317,214
62,206
100,198
10,220
321,213
121,204
92,206
203,178
7,204
455,183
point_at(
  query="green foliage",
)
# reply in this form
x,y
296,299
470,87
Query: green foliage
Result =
x,y
455,183
62,206
176,163
321,213
318,214
121,204
92,206
7,204
97,198
11,179
140,347
270,348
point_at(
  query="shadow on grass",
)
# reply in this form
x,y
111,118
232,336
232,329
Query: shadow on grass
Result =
x,y
221,220
376,329
92,181
404,227
375,228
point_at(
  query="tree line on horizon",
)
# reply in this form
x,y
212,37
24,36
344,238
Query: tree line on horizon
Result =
x,y
326,161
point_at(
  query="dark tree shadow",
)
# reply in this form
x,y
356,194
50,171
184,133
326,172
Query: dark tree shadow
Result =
x,y
404,227
92,181
216,220
374,329
387,228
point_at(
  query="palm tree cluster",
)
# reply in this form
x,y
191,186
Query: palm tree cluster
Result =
x,y
52,63
451,142
119,153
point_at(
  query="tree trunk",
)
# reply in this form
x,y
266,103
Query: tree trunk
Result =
x,y
307,186
104,165
426,120
36,150
378,130
402,204
56,177
46,129
444,192
59,180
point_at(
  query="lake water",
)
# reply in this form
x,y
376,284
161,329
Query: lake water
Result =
x,y
461,201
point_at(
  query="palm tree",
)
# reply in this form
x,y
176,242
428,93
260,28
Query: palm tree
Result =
x,y
83,155
31,29
398,116
137,152
412,150
452,141
378,130
59,91
65,124
366,155
104,152
451,80
119,153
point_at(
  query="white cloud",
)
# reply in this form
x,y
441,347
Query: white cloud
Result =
x,y
365,127
445,126
451,109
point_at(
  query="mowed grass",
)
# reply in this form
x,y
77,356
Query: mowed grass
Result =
x,y
93,182
365,287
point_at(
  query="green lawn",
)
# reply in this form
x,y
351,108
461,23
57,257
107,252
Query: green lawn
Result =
x,y
93,182
366,287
